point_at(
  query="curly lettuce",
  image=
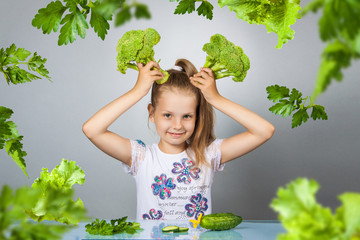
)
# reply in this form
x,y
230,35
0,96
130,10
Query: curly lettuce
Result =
x,y
304,218
56,203
276,15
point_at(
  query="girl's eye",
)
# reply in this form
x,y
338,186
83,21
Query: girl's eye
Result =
x,y
187,116
167,115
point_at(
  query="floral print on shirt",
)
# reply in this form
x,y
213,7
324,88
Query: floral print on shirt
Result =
x,y
153,215
186,170
163,186
198,205
141,143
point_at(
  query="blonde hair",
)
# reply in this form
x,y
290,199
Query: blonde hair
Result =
x,y
203,133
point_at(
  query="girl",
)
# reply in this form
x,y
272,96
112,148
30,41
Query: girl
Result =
x,y
174,177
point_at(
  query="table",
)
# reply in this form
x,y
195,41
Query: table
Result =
x,y
247,230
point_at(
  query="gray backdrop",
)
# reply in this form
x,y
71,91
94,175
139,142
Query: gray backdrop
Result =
x,y
50,115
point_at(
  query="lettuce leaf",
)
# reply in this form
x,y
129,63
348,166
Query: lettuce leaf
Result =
x,y
56,201
15,224
339,28
277,16
304,218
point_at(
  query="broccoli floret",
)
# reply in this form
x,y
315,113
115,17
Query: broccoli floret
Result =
x,y
226,59
137,46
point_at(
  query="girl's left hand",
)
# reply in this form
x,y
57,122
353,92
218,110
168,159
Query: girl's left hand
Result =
x,y
205,81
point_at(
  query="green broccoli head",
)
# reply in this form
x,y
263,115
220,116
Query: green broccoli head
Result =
x,y
226,59
137,46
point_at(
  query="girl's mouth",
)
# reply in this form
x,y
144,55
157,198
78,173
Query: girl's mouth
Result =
x,y
176,135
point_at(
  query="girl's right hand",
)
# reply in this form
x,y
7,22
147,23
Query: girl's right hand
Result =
x,y
148,74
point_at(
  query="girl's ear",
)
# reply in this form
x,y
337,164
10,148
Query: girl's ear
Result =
x,y
151,110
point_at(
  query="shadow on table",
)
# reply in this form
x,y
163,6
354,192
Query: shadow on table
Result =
x,y
228,234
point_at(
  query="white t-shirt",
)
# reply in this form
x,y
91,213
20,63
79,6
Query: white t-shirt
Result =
x,y
169,187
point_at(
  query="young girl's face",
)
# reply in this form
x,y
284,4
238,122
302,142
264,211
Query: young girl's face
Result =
x,y
174,118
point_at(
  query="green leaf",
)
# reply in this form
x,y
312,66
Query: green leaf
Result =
x,y
49,18
123,16
295,97
74,24
313,6
299,117
142,11
205,9
318,112
5,113
276,93
277,16
115,226
339,27
100,24
301,215
185,6
289,103
11,140
284,108
336,56
12,57
349,213
339,17
14,223
56,201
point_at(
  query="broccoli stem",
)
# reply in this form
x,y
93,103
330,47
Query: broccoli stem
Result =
x,y
219,75
133,66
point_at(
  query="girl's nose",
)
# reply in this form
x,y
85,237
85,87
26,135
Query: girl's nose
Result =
x,y
177,123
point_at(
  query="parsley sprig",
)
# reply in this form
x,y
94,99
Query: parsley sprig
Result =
x,y
12,57
290,102
11,139
115,226
74,22
188,6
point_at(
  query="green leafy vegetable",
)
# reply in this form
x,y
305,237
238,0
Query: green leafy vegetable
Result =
x,y
188,6
74,23
226,59
137,46
115,226
15,224
277,16
12,57
304,218
11,139
289,102
339,27
56,201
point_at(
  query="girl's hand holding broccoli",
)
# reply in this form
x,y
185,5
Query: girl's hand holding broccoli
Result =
x,y
205,81
148,74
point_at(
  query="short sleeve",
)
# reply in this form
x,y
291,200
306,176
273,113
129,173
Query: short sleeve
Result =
x,y
213,154
138,150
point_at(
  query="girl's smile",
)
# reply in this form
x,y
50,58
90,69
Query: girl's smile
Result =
x,y
174,118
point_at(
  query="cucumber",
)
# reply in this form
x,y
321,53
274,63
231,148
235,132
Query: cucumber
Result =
x,y
175,229
220,221
170,229
183,229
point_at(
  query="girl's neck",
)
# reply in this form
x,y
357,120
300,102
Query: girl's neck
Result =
x,y
172,149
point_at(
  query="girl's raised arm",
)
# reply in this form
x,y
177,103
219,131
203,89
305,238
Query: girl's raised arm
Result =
x,y
96,128
258,129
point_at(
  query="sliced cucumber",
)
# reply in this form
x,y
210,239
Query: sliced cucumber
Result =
x,y
170,229
183,229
